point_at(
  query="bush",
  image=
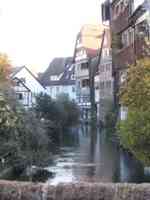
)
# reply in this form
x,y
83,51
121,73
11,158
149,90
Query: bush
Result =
x,y
134,134
70,110
22,136
62,112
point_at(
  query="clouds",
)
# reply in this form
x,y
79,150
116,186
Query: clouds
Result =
x,y
34,31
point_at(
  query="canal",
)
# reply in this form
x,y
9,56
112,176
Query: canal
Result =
x,y
85,155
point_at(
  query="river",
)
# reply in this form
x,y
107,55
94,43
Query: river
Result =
x,y
89,156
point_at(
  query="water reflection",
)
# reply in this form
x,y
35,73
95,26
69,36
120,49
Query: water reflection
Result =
x,y
86,154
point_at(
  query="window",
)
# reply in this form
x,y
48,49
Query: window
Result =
x,y
85,83
143,30
19,96
125,39
54,78
73,89
57,89
102,85
128,37
108,84
50,90
102,68
84,66
123,76
79,41
108,67
17,83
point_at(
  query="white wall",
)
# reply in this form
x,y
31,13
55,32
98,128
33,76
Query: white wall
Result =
x,y
54,91
26,95
30,81
32,84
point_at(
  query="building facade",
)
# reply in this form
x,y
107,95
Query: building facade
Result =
x,y
87,47
26,86
86,55
130,27
59,78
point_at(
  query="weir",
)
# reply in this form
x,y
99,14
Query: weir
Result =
x,y
80,191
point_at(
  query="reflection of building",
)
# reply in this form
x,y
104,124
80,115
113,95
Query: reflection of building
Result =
x,y
105,78
26,85
59,78
131,36
106,87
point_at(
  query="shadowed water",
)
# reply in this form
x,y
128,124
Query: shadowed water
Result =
x,y
86,155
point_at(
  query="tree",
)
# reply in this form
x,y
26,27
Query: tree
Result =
x,y
5,67
62,112
70,109
22,136
134,132
135,92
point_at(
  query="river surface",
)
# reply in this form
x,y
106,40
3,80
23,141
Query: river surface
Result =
x,y
86,155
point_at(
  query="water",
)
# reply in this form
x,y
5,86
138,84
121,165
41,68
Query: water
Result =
x,y
89,156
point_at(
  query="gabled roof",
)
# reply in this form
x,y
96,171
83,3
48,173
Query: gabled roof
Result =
x,y
16,70
60,67
22,83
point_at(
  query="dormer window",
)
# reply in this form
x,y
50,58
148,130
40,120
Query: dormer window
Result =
x,y
54,78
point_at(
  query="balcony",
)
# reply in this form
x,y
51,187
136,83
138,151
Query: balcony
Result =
x,y
82,69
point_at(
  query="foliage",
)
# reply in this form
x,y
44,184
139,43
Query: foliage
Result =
x,y
23,139
70,110
135,92
134,132
62,112
22,136
4,67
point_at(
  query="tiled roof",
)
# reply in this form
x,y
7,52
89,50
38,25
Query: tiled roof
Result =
x,y
59,66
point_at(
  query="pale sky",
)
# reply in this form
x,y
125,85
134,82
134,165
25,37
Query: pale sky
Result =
x,y
32,32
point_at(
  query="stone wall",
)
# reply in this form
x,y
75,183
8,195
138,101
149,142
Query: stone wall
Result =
x,y
84,191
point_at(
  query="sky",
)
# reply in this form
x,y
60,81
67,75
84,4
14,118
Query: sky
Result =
x,y
33,32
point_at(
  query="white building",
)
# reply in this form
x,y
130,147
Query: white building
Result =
x,y
26,85
59,78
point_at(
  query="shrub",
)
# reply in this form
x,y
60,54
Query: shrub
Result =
x,y
134,134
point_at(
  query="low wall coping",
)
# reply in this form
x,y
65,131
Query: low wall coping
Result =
x,y
10,190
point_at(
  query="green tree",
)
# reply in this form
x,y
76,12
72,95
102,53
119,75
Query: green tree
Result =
x,y
135,92
62,112
134,132
23,139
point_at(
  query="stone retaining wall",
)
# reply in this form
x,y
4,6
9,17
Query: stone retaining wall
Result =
x,y
83,191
